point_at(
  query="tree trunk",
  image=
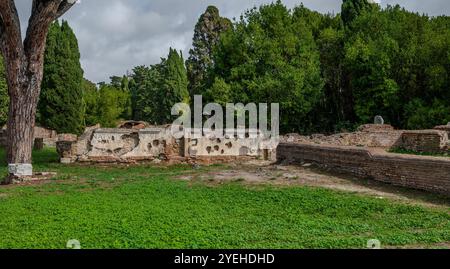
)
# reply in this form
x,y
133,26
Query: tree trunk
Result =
x,y
21,122
24,67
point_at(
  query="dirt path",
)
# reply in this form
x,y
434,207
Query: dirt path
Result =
x,y
307,175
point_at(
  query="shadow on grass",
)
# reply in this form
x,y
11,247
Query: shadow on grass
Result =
x,y
412,194
40,157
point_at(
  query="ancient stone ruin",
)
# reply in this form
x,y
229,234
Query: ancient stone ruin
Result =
x,y
128,145
364,153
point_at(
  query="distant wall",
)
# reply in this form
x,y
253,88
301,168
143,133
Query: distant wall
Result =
x,y
49,136
417,172
370,135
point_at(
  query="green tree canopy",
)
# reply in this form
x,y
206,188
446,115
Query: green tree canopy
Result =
x,y
351,9
61,96
271,56
91,98
157,88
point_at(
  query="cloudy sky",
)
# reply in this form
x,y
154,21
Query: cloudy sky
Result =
x,y
116,35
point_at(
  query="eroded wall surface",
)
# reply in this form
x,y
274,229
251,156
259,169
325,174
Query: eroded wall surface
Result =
x,y
149,144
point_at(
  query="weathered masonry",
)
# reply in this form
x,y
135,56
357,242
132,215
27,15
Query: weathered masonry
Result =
x,y
158,144
417,172
363,153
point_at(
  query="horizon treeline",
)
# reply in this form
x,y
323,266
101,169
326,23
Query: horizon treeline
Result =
x,y
329,72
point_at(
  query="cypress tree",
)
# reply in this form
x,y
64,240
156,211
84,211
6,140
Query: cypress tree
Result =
x,y
206,35
61,97
173,87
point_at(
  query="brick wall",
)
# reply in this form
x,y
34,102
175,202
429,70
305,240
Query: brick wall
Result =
x,y
425,141
417,172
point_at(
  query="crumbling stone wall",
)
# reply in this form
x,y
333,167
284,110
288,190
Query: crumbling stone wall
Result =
x,y
370,135
445,128
412,171
158,144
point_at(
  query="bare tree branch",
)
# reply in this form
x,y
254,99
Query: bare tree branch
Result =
x,y
64,7
43,13
10,35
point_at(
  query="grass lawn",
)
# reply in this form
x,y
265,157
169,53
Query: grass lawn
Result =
x,y
145,207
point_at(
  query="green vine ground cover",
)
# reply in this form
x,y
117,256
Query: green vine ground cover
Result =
x,y
146,207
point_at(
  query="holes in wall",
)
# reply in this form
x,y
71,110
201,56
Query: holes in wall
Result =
x,y
209,149
243,151
156,143
229,145
216,148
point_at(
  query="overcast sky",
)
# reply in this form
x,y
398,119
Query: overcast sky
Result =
x,y
116,35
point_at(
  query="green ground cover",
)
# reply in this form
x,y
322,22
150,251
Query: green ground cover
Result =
x,y
146,207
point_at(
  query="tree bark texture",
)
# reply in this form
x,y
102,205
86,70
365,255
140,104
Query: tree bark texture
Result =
x,y
24,68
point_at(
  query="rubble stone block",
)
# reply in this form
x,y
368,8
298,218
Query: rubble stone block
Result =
x,y
20,170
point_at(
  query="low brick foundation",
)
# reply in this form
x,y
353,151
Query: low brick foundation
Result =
x,y
417,172
433,141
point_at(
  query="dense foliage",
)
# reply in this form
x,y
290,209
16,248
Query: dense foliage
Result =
x,y
157,88
398,65
206,35
4,99
328,72
61,100
333,72
270,56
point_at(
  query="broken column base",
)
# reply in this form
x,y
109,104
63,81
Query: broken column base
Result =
x,y
20,169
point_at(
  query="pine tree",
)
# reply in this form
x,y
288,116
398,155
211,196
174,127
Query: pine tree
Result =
x,y
206,35
4,99
62,89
